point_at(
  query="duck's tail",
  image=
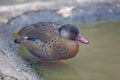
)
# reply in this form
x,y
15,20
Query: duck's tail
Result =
x,y
17,41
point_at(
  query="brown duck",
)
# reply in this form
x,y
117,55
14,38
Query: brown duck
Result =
x,y
50,41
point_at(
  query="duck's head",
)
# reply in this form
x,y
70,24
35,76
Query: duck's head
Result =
x,y
71,32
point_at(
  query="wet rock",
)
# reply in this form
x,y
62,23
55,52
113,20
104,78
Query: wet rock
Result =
x,y
2,52
6,77
12,66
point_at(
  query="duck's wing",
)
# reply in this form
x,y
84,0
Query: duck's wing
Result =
x,y
45,31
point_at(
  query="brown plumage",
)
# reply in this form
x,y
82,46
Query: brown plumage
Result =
x,y
53,41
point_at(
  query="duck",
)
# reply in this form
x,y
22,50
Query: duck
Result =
x,y
49,41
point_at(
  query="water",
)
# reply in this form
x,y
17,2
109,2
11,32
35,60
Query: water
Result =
x,y
97,61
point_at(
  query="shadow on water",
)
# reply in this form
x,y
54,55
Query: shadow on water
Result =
x,y
63,72
97,61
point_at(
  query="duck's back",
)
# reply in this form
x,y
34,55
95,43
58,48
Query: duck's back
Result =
x,y
45,31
